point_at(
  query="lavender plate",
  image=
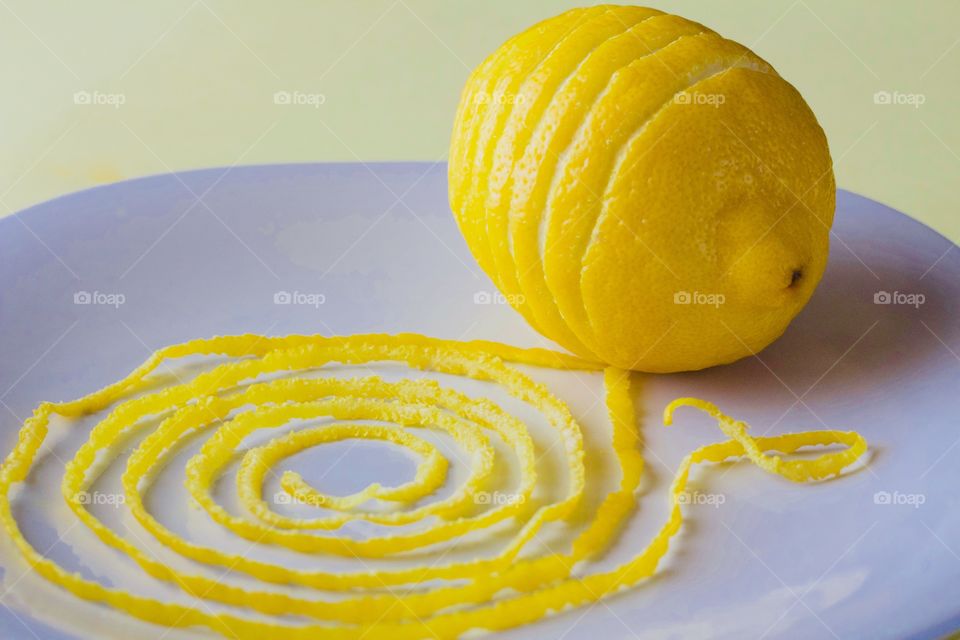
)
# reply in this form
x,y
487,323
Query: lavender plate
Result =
x,y
93,281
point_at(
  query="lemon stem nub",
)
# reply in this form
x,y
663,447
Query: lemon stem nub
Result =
x,y
795,277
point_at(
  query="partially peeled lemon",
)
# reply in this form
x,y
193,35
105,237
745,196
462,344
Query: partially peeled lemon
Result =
x,y
645,192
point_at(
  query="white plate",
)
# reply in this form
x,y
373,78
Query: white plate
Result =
x,y
875,554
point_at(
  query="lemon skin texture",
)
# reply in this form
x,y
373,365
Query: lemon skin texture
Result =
x,y
645,192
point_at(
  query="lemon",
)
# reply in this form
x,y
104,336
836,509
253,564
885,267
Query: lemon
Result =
x,y
645,192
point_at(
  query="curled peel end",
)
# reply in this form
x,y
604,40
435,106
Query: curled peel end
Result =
x,y
707,407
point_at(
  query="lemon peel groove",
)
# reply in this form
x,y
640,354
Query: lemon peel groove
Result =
x,y
544,158
231,401
540,91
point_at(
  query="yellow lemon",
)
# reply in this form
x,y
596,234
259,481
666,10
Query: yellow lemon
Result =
x,y
647,193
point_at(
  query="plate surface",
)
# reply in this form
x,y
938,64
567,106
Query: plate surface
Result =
x,y
363,248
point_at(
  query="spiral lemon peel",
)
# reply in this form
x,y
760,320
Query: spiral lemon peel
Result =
x,y
493,593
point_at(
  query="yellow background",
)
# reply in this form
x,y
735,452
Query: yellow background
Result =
x,y
197,80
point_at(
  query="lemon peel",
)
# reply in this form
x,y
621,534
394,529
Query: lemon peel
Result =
x,y
491,593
